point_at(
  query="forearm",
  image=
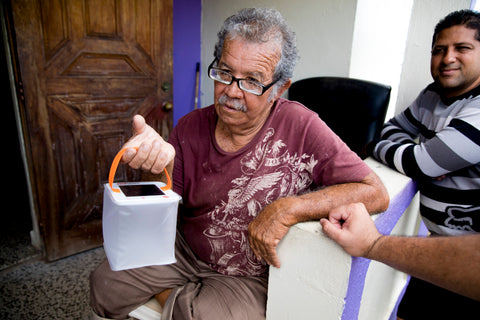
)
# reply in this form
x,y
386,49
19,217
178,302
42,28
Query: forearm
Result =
x,y
449,262
394,130
453,147
316,205
274,221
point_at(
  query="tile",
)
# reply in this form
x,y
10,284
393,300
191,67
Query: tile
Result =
x,y
41,290
16,248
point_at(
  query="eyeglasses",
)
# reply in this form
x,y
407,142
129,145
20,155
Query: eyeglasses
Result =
x,y
247,85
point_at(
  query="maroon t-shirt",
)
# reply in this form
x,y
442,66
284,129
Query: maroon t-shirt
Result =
x,y
295,152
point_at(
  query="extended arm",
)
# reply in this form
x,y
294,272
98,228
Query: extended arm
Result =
x,y
449,262
273,222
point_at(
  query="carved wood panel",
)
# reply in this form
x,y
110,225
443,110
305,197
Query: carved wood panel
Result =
x,y
88,67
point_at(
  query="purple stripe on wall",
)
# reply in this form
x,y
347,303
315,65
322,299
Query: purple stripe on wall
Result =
x,y
385,224
187,20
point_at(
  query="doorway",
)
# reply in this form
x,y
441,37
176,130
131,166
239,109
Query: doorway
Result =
x,y
86,67
16,219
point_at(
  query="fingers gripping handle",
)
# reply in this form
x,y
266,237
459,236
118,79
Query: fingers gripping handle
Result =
x,y
113,170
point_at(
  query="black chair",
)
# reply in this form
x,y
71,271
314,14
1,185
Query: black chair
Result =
x,y
354,109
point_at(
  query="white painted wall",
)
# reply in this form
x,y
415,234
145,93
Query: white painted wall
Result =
x,y
324,32
367,39
416,66
379,40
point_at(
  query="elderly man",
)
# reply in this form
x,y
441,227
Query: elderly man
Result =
x,y
248,167
445,118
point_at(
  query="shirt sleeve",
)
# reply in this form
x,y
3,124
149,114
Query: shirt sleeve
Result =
x,y
337,164
452,148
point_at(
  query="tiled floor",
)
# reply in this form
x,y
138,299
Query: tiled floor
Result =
x,y
35,289
16,248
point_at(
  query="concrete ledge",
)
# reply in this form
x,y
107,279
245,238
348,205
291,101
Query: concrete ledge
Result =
x,y
319,280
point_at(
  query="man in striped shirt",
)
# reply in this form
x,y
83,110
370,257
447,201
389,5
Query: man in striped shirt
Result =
x,y
436,141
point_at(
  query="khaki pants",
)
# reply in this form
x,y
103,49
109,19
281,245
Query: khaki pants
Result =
x,y
198,291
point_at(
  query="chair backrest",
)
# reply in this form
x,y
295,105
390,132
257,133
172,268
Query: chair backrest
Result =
x,y
354,109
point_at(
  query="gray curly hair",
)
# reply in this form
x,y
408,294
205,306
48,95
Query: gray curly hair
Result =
x,y
259,25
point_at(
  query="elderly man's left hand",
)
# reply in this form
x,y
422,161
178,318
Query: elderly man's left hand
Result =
x,y
268,228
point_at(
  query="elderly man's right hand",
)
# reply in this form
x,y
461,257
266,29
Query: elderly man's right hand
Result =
x,y
153,153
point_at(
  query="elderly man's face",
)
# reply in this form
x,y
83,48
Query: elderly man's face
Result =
x,y
455,61
237,109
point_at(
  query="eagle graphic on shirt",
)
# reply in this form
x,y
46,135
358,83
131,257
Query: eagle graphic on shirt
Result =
x,y
269,172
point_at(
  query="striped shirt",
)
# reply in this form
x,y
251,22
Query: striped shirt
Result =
x,y
436,141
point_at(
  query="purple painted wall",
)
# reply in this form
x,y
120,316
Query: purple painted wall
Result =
x,y
385,224
187,15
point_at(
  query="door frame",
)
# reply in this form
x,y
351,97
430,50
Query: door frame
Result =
x,y
15,87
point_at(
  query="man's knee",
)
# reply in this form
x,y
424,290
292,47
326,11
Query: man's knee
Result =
x,y
113,294
223,297
94,289
100,291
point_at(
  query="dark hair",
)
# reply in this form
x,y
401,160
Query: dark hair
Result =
x,y
262,25
468,18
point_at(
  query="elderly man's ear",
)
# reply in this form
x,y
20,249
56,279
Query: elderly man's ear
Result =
x,y
284,88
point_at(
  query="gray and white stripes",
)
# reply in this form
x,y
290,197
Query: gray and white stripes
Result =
x,y
437,142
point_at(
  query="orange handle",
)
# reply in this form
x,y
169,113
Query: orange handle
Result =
x,y
114,166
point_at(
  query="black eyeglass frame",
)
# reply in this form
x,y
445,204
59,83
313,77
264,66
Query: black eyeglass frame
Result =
x,y
265,87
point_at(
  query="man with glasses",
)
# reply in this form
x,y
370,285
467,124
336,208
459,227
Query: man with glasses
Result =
x,y
248,167
248,85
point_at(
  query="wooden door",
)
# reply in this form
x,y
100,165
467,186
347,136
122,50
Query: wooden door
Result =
x,y
86,67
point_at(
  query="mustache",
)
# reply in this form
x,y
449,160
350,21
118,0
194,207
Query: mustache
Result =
x,y
234,103
449,66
